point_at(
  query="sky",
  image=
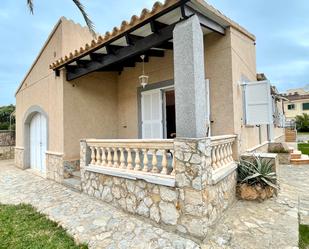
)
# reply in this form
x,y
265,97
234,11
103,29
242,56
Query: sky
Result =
x,y
280,26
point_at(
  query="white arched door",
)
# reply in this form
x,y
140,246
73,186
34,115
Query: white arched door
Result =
x,y
38,142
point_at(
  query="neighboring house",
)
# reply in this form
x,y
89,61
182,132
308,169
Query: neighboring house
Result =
x,y
297,102
202,88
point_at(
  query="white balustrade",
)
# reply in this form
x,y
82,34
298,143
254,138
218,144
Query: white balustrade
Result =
x,y
137,155
221,150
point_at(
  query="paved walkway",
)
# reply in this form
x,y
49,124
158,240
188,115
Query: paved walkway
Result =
x,y
247,225
87,219
272,224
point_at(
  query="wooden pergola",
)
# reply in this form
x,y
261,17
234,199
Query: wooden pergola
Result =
x,y
151,37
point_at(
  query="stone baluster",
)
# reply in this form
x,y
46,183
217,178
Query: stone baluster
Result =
x,y
122,159
129,159
218,156
164,163
230,151
173,163
145,161
103,163
137,161
116,164
98,156
224,154
92,155
154,161
213,157
109,157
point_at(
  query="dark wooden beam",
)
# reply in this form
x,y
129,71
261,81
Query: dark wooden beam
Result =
x,y
157,26
97,56
139,48
112,49
115,68
132,39
155,53
205,21
82,63
166,45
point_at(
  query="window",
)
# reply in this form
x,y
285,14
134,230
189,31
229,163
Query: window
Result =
x,y
291,107
305,106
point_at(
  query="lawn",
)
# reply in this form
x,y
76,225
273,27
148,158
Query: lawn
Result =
x,y
22,227
303,237
304,148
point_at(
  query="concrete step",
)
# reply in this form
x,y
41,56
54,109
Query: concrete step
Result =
x,y
76,174
296,155
73,183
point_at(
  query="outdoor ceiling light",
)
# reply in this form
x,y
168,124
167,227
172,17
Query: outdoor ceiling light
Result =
x,y
143,79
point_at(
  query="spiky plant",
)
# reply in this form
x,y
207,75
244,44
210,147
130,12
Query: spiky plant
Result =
x,y
258,171
81,8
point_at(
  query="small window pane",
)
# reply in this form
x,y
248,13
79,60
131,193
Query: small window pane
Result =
x,y
291,107
305,106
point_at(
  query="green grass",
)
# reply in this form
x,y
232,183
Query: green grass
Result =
x,y
22,227
302,133
304,148
303,237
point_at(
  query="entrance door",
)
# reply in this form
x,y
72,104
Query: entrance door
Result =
x,y
38,142
170,117
152,118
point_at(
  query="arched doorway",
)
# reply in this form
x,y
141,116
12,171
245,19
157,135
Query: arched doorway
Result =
x,y
38,142
35,139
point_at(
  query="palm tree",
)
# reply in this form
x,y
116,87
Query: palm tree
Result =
x,y
81,8
302,122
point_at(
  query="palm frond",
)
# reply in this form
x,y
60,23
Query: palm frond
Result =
x,y
88,21
30,5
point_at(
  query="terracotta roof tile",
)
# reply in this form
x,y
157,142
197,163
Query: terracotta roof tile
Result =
x,y
145,14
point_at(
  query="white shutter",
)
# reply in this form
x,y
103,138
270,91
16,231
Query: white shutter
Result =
x,y
152,118
258,103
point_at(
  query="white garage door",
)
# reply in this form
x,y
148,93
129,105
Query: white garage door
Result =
x,y
38,142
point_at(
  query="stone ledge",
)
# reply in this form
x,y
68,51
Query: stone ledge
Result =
x,y
223,172
151,178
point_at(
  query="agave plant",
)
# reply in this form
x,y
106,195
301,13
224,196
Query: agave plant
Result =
x,y
259,171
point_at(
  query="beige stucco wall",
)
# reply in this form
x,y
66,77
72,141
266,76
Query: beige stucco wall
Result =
x,y
244,68
90,110
42,88
291,114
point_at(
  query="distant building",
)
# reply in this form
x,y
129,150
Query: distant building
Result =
x,y
297,102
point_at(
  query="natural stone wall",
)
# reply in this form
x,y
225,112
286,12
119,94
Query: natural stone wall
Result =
x,y
19,157
190,207
54,167
6,152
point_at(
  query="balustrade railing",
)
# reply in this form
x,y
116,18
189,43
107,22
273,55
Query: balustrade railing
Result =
x,y
221,150
136,155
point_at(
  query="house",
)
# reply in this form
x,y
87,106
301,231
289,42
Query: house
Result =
x,y
164,149
297,102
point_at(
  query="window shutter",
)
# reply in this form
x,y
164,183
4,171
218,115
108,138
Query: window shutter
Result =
x,y
152,126
258,103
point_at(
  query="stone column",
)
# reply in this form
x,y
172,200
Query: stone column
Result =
x,y
189,73
192,174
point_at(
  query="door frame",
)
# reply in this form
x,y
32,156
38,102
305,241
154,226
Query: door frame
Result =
x,y
26,132
167,84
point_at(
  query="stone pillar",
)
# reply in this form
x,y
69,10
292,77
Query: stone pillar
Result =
x,y
192,173
201,202
190,85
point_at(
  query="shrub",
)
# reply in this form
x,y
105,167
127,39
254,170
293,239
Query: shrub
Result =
x,y
302,122
258,172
